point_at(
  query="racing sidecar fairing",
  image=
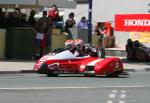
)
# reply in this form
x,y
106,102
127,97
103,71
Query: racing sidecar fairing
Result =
x,y
137,51
66,62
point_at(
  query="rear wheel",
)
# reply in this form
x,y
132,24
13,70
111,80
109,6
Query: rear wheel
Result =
x,y
51,74
113,75
48,72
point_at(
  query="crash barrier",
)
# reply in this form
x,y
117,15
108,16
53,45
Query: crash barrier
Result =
x,y
56,31
19,43
80,34
94,40
108,41
58,39
2,43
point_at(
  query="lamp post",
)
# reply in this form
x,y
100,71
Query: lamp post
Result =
x,y
149,9
90,21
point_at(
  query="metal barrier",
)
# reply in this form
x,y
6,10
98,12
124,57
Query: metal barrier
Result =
x,y
80,34
19,43
2,43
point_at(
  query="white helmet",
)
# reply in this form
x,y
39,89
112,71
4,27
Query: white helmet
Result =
x,y
69,44
78,43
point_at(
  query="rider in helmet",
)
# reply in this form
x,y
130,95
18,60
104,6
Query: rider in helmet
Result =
x,y
79,45
69,44
90,50
87,48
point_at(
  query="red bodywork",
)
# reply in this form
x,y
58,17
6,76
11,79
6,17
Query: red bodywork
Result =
x,y
86,65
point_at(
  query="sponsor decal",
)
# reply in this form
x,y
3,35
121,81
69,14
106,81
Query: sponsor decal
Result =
x,y
66,66
132,22
136,36
136,22
140,36
53,66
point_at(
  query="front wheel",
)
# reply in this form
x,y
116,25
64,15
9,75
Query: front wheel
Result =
x,y
89,75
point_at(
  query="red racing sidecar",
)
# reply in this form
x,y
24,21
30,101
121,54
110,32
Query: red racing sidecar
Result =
x,y
65,62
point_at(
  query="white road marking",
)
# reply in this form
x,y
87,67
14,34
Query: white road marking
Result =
x,y
121,102
109,101
123,91
122,96
44,88
134,86
112,96
114,91
94,87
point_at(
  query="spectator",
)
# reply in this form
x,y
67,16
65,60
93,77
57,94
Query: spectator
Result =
x,y
48,34
14,18
7,19
130,50
54,13
31,19
56,20
70,23
2,18
23,21
129,45
18,11
101,33
101,30
40,27
83,23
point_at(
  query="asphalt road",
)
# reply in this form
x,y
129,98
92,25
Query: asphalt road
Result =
x,y
36,88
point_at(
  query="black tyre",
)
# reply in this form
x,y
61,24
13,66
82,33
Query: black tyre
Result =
x,y
51,74
113,75
45,70
141,55
89,75
130,55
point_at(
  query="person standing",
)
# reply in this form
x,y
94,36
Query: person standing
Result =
x,y
40,27
31,19
48,34
70,23
14,19
2,18
83,24
101,33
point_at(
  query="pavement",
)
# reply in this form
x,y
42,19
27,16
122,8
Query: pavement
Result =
x,y
16,66
26,66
